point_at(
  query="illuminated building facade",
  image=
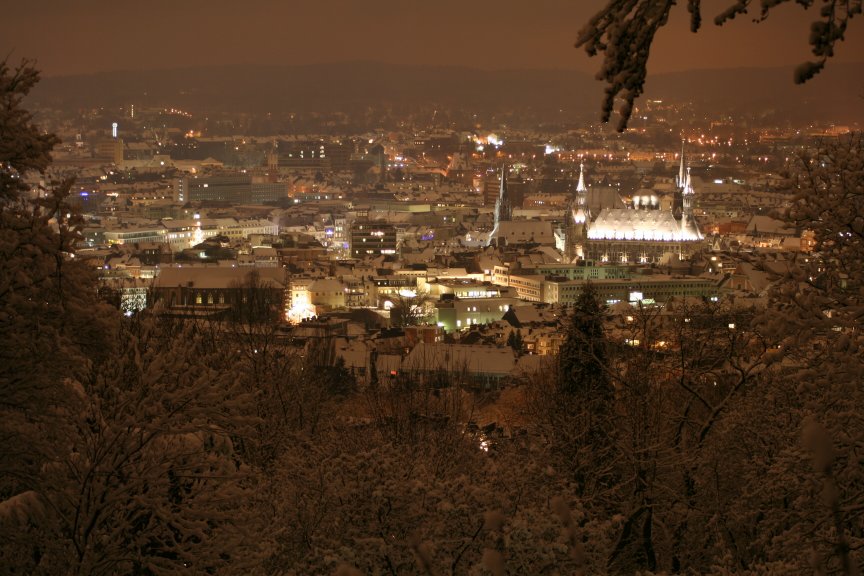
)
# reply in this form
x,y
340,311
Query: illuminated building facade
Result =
x,y
371,239
220,291
640,233
219,188
453,313
656,288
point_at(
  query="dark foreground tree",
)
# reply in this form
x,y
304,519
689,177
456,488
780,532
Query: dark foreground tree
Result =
x,y
51,325
831,204
116,438
819,308
583,415
624,31
145,478
23,147
582,364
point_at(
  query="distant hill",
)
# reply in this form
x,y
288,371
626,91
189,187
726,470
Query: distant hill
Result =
x,y
837,94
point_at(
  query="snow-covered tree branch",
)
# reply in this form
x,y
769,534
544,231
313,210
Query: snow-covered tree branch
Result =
x,y
624,30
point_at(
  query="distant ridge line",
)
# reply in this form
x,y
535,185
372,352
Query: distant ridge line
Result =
x,y
835,94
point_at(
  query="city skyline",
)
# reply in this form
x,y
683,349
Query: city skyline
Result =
x,y
334,288
99,36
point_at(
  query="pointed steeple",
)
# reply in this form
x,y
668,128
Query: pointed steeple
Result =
x,y
580,187
687,196
580,210
503,207
576,220
681,169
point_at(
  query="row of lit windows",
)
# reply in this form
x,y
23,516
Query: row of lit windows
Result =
x,y
468,322
477,294
501,308
199,299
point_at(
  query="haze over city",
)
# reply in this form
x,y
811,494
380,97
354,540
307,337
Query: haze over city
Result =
x,y
100,35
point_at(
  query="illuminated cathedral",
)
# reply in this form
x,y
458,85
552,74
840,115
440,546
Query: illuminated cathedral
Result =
x,y
641,233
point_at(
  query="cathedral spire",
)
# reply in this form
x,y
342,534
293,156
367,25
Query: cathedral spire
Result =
x,y
682,173
580,210
576,221
580,187
687,196
503,207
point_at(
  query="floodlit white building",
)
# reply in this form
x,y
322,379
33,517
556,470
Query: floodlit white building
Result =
x,y
643,232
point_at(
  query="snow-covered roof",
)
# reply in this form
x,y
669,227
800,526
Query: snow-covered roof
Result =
x,y
766,225
475,359
656,225
215,277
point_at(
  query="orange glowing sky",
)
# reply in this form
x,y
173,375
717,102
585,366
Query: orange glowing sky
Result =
x,y
85,36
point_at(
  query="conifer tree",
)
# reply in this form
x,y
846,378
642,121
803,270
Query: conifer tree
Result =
x,y
51,325
582,366
584,422
116,451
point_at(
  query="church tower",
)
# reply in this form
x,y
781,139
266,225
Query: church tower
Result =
x,y
645,233
503,207
683,204
578,217
680,184
687,200
682,169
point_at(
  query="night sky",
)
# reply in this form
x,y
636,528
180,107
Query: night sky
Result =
x,y
85,36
